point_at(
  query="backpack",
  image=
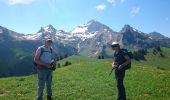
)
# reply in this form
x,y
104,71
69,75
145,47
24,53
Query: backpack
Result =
x,y
41,53
129,53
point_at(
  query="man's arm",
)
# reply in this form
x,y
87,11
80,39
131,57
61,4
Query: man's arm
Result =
x,y
128,60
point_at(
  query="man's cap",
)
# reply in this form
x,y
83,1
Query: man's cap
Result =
x,y
115,43
49,40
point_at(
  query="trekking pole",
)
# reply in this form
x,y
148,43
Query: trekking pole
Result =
x,y
111,71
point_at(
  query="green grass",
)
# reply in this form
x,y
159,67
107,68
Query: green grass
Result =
x,y
88,79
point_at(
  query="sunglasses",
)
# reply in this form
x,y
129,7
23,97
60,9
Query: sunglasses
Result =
x,y
113,46
49,40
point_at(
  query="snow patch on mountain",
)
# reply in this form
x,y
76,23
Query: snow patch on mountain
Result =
x,y
84,36
90,26
136,30
80,29
32,36
151,38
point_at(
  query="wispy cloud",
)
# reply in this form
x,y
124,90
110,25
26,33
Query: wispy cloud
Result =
x,y
100,7
135,11
14,2
114,2
111,1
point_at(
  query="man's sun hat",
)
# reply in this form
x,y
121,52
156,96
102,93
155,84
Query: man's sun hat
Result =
x,y
115,43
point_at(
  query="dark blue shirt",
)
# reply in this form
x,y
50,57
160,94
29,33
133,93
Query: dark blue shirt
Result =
x,y
119,58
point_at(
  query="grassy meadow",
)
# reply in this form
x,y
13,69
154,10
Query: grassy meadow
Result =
x,y
88,79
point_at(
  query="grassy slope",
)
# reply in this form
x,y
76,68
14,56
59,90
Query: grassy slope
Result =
x,y
156,60
88,79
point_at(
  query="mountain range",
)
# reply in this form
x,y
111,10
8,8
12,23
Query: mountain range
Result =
x,y
90,39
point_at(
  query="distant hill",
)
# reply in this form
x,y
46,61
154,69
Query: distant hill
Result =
x,y
135,39
159,60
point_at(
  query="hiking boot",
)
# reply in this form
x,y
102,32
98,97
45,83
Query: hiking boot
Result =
x,y
49,98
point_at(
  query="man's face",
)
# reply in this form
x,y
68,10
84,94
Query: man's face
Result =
x,y
113,47
48,43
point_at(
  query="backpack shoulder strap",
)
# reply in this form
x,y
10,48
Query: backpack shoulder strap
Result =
x,y
42,51
124,50
51,50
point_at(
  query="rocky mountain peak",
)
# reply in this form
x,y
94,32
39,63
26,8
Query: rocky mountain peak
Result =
x,y
126,28
92,22
47,29
90,26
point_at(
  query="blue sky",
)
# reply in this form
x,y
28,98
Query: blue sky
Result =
x,y
27,16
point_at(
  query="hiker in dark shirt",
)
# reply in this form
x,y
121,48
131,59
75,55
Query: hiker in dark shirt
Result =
x,y
121,59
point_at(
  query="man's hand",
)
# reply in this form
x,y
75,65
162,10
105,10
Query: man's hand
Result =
x,y
48,65
113,66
